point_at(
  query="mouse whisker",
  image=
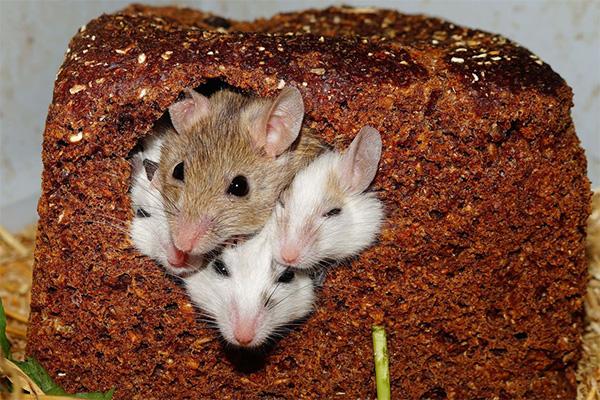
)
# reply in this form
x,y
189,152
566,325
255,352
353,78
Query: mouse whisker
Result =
x,y
148,207
114,219
209,323
272,307
266,304
114,175
160,197
213,253
169,202
104,223
192,266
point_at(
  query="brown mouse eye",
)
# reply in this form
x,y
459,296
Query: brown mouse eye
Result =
x,y
178,172
287,276
333,212
238,186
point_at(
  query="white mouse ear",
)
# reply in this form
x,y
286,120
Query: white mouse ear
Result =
x,y
359,162
150,167
279,125
187,112
136,164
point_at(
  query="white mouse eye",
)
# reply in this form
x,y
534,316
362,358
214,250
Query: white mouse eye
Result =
x,y
220,268
286,276
141,213
178,172
333,212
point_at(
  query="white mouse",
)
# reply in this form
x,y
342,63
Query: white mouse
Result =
x,y
145,196
149,230
326,213
249,296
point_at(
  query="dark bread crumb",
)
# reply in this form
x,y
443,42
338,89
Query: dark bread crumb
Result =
x,y
480,270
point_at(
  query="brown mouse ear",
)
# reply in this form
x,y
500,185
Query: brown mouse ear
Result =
x,y
281,124
359,162
187,112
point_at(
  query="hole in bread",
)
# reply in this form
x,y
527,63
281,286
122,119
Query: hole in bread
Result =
x,y
142,346
521,335
158,370
217,22
214,85
435,393
436,214
498,351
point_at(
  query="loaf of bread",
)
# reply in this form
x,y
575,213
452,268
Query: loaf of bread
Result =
x,y
479,272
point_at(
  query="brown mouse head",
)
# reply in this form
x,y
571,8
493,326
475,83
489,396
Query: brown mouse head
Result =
x,y
225,164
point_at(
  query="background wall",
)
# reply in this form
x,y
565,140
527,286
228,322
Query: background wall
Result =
x,y
34,35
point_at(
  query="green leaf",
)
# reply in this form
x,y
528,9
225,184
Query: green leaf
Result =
x,y
4,344
38,374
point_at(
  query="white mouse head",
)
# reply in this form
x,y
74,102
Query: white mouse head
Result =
x,y
144,193
250,297
325,214
149,229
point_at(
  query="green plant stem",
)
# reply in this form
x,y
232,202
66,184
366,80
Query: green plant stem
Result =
x,y
382,371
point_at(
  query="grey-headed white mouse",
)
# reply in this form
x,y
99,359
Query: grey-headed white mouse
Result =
x,y
250,297
149,229
144,165
326,213
226,161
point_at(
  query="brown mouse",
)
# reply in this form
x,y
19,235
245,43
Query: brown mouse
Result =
x,y
226,162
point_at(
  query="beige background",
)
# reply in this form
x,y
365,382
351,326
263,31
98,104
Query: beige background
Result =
x,y
34,35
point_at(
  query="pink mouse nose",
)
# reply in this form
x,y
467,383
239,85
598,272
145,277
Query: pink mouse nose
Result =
x,y
176,257
244,333
289,254
188,232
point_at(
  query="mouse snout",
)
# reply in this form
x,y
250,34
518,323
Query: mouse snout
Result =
x,y
245,326
290,253
176,257
189,232
244,333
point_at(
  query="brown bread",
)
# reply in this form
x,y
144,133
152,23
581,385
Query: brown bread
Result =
x,y
480,270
